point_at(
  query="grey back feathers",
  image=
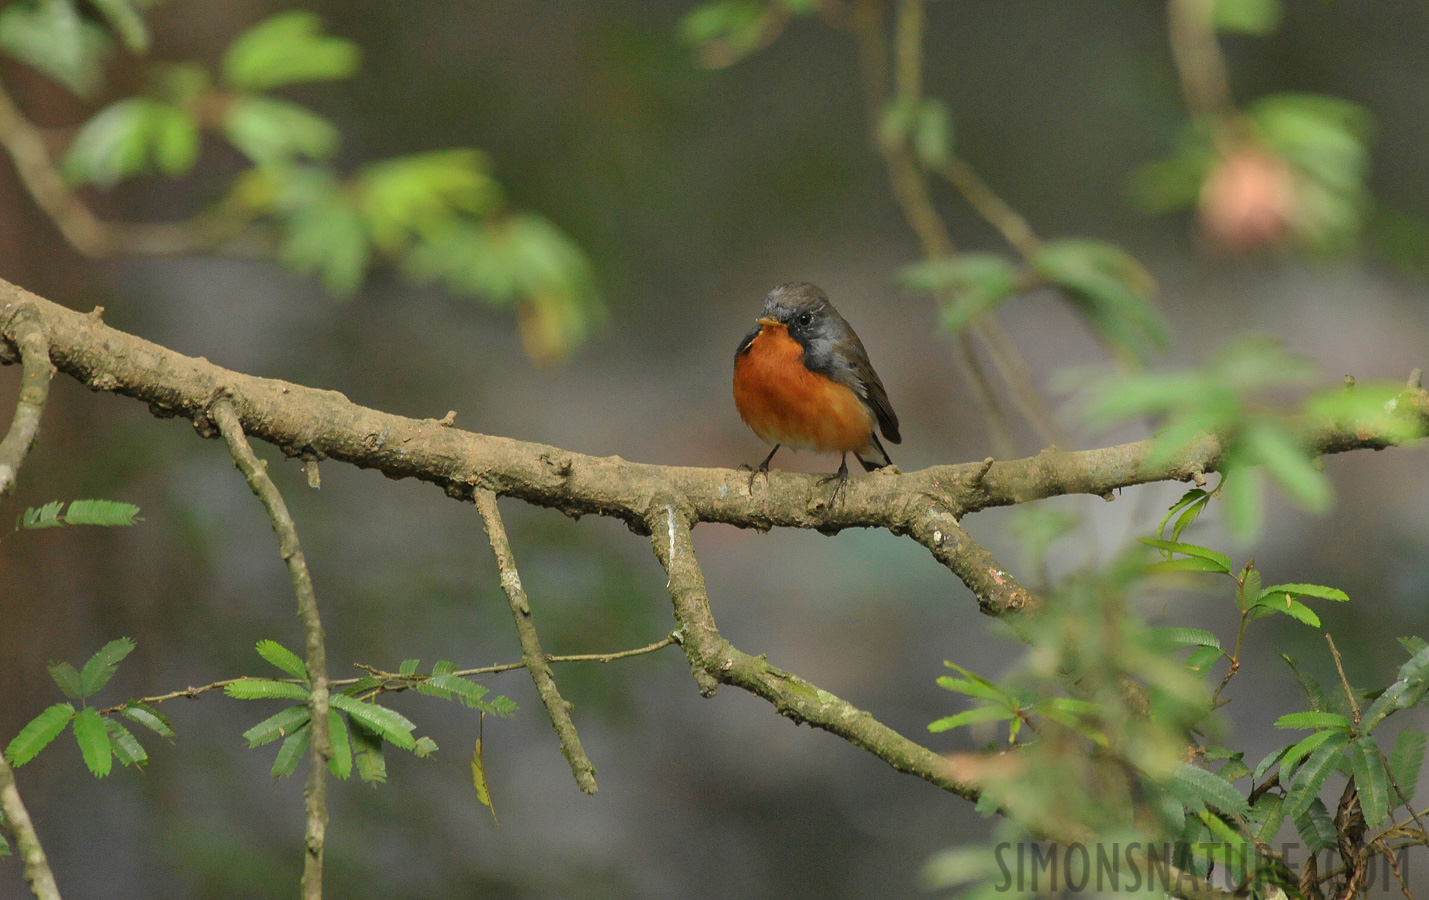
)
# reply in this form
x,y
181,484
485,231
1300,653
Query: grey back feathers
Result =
x,y
831,347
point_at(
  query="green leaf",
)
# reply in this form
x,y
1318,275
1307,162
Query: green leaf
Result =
x,y
503,706
1295,610
277,725
737,24
976,282
1248,590
371,764
106,513
1111,288
959,866
67,677
1258,17
361,686
53,37
1233,770
420,195
1302,748
148,717
973,685
37,733
1413,645
341,762
1303,590
273,132
327,237
103,664
1290,464
93,740
424,747
1313,720
1317,828
469,692
517,258
1185,565
408,667
970,716
282,658
391,724
1311,687
1191,499
127,748
932,136
265,689
1266,816
1201,660
1182,637
291,753
128,138
1242,496
1223,562
1311,775
286,49
1405,761
47,516
124,17
1270,759
1208,788
1371,782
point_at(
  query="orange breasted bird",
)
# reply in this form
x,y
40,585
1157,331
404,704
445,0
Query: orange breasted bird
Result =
x,y
802,379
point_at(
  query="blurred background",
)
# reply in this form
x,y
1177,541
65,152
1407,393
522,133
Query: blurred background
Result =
x,y
693,192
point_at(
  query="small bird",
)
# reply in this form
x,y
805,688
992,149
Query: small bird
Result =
x,y
802,379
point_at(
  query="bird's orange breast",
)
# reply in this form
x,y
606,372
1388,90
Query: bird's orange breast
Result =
x,y
784,403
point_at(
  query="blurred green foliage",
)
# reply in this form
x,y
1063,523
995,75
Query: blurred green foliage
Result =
x,y
440,216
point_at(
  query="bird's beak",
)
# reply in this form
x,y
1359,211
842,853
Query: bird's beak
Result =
x,y
766,321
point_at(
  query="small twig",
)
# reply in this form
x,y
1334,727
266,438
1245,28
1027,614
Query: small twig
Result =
x,y
1235,659
34,391
531,656
993,209
230,426
1199,62
17,821
1340,667
398,681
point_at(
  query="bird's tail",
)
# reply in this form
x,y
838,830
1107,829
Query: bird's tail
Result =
x,y
876,462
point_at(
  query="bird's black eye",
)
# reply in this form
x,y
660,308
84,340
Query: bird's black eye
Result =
x,y
804,320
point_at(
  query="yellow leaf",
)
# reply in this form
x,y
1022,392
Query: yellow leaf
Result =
x,y
478,780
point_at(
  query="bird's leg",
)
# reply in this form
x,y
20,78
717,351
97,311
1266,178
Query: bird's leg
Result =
x,y
841,476
763,467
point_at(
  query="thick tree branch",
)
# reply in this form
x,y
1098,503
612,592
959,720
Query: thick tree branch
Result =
x,y
17,821
531,656
256,473
29,339
714,661
302,420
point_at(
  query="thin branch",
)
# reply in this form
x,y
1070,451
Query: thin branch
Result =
x,y
81,228
1345,682
714,661
17,821
910,189
224,416
1199,62
993,209
531,656
29,337
394,681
